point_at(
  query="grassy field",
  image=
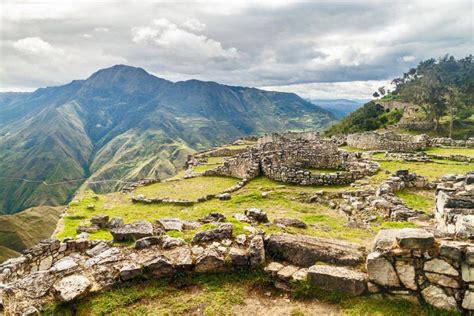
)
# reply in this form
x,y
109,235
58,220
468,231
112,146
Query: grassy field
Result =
x,y
422,200
450,151
237,293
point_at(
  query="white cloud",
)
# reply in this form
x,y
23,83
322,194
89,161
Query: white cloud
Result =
x,y
101,29
35,46
194,25
86,35
409,58
179,42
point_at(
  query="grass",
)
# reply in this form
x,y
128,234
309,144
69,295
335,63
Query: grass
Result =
x,y
350,149
450,151
422,200
188,189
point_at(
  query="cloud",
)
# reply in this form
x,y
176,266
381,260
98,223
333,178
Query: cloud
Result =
x,y
409,58
179,42
194,25
101,29
35,46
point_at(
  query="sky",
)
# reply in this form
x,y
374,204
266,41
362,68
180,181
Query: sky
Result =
x,y
317,49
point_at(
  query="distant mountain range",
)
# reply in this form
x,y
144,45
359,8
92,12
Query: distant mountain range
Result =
x,y
339,107
124,123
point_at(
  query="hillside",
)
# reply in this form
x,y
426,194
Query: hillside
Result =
x,y
436,98
25,229
125,124
339,107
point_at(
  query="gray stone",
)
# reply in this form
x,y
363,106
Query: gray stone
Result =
x,y
451,250
470,255
442,280
240,239
182,258
337,278
290,222
241,217
147,242
65,264
72,287
171,224
435,296
98,249
300,275
273,267
381,271
224,196
45,263
159,266
87,229
210,261
468,301
440,266
116,222
252,230
287,272
257,215
257,251
100,220
169,242
386,240
132,231
224,231
305,251
413,238
213,218
130,272
238,256
406,273
467,273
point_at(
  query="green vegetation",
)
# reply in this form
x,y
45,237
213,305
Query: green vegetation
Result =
x,y
422,200
451,151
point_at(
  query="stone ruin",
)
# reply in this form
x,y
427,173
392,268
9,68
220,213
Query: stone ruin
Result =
x,y
455,205
291,157
388,140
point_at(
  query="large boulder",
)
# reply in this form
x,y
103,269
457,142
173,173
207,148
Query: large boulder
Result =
x,y
337,278
435,296
171,224
440,266
72,287
159,266
132,231
407,238
305,250
381,271
223,231
210,260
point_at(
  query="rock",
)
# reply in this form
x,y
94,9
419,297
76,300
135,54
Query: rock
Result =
x,y
337,278
213,218
168,242
182,258
381,271
440,266
147,242
87,229
451,250
442,280
468,301
241,217
36,284
224,196
116,222
372,287
287,272
291,222
470,255
238,256
72,287
435,296
191,225
224,231
385,240
98,249
413,238
168,224
305,251
240,239
300,275
273,267
257,251
100,220
257,215
467,273
83,235
210,261
45,263
406,273
130,271
132,231
252,230
90,206
159,266
65,264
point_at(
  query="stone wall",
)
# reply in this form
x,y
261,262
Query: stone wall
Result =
x,y
455,205
389,141
411,262
449,142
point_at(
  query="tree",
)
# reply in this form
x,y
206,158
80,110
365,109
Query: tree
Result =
x,y
382,91
376,94
454,101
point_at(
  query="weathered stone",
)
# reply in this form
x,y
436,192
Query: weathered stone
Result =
x,y
273,267
406,274
252,230
171,224
305,250
159,266
467,273
257,215
132,231
100,220
210,261
337,278
451,250
190,225
290,222
413,238
470,255
287,272
36,284
257,251
223,231
240,239
224,196
386,240
182,258
45,263
381,271
116,222
147,242
435,296
468,301
65,264
87,229
442,280
300,275
130,272
213,218
440,266
169,242
98,249
241,217
238,256
72,287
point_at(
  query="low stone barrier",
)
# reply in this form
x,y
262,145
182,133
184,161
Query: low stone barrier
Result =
x,y
389,141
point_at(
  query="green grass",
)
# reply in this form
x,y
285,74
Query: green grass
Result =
x,y
188,189
450,151
422,200
350,149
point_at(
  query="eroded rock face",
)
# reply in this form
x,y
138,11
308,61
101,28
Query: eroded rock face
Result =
x,y
435,296
72,287
305,251
224,231
132,231
337,278
381,271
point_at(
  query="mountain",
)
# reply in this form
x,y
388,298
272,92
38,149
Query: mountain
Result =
x,y
123,123
339,107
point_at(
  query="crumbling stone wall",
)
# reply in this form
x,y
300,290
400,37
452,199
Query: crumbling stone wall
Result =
x,y
389,141
449,142
411,262
455,205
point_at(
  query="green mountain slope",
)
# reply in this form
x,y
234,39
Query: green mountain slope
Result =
x,y
125,124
